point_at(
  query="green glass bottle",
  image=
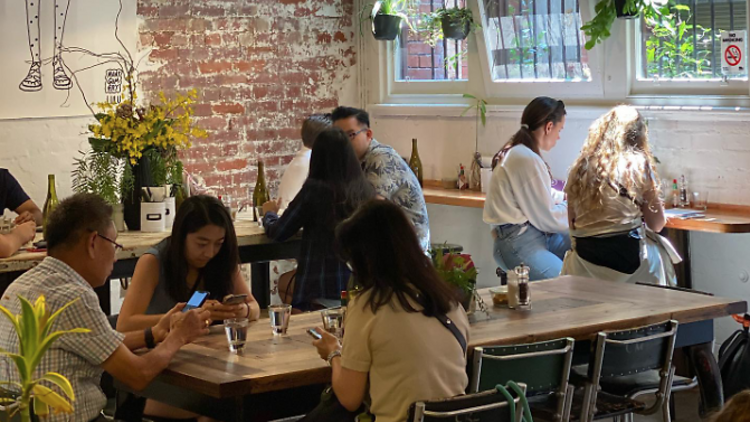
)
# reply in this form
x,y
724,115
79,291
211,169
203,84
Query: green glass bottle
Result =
x,y
260,193
51,202
415,163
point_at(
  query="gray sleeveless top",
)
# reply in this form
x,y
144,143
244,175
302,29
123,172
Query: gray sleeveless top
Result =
x,y
161,302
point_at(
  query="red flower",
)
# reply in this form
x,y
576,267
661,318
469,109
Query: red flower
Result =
x,y
465,262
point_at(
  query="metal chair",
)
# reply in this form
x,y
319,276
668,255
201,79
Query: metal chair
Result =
x,y
544,367
626,364
487,406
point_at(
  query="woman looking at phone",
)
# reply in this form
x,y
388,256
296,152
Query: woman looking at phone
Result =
x,y
200,255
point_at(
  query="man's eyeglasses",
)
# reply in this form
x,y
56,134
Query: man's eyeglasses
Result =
x,y
352,135
118,247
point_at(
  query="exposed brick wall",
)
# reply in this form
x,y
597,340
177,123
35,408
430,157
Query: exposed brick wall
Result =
x,y
260,67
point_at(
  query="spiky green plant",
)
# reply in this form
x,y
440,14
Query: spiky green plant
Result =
x,y
34,330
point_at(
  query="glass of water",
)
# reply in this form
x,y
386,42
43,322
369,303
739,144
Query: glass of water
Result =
x,y
333,321
279,316
236,329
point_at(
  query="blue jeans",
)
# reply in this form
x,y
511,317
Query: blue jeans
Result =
x,y
542,252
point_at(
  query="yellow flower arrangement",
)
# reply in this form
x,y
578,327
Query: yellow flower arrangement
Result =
x,y
126,131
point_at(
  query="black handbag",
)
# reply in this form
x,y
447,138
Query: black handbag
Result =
x,y
734,359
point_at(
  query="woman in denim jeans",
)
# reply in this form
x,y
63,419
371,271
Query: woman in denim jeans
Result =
x,y
529,219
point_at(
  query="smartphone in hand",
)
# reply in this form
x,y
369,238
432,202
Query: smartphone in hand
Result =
x,y
231,299
314,334
196,301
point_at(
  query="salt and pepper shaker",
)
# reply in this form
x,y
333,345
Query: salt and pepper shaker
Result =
x,y
524,291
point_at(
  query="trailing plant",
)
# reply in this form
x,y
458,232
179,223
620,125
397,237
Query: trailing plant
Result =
x,y
430,25
598,28
35,336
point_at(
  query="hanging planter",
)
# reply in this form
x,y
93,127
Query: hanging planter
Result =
x,y
386,27
607,11
456,28
386,17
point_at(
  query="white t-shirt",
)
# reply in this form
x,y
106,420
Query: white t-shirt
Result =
x,y
521,190
294,176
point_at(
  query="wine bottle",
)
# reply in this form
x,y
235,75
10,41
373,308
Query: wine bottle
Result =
x,y
414,162
50,203
260,193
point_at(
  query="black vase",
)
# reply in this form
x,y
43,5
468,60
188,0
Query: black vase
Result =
x,y
619,6
455,29
132,201
386,27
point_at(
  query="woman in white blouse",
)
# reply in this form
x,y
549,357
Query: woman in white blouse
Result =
x,y
529,219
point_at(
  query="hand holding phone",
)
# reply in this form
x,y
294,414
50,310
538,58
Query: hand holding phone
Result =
x,y
196,301
231,299
314,334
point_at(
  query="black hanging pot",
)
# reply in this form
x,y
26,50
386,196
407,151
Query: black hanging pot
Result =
x,y
132,200
455,29
386,27
620,6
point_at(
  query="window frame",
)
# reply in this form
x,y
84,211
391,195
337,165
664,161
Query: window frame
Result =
x,y
613,76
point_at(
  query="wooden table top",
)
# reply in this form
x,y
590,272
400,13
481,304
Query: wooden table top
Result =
x,y
135,244
719,218
562,307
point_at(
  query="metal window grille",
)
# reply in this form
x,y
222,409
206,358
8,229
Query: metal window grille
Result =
x,y
419,61
687,44
536,40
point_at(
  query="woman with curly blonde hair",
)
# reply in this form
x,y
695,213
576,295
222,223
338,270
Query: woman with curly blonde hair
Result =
x,y
612,190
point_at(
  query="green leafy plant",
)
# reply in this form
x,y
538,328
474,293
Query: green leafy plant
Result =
x,y
398,8
598,28
96,172
671,41
35,336
456,269
430,25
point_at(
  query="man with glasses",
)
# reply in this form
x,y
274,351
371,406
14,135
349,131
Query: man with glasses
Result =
x,y
82,246
385,169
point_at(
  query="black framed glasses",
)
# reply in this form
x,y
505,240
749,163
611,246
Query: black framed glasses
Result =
x,y
352,135
118,247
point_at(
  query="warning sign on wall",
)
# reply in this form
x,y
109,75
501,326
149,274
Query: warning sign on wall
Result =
x,y
733,52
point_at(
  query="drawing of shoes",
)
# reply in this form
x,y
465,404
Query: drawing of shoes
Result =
x,y
60,78
33,80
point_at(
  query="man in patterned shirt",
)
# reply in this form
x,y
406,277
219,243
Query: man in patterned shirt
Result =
x,y
81,240
385,169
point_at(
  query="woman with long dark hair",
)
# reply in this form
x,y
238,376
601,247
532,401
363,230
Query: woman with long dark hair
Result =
x,y
334,188
529,219
397,334
200,255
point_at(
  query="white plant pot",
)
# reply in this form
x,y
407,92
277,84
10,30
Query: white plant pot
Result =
x,y
153,217
118,217
169,212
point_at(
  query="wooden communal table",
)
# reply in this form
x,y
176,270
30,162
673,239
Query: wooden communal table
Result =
x,y
255,248
719,218
281,376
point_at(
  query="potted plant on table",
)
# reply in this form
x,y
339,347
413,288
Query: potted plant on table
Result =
x,y
387,17
457,270
33,328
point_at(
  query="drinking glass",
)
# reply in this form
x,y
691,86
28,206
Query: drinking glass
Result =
x,y
333,321
700,200
236,329
279,316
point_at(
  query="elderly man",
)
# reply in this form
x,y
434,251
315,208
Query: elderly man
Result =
x,y
385,169
81,241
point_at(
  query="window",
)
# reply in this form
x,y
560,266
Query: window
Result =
x,y
686,42
418,61
535,40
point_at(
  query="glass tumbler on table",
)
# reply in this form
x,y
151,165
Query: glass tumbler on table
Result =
x,y
333,321
279,316
236,330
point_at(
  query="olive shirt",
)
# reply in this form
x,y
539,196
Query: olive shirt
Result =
x,y
408,355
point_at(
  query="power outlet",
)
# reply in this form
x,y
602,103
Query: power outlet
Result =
x,y
744,276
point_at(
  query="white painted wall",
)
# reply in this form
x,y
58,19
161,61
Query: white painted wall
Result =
x,y
711,149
